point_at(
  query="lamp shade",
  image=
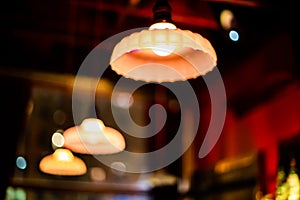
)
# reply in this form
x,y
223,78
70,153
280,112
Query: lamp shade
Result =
x,y
163,55
62,162
93,137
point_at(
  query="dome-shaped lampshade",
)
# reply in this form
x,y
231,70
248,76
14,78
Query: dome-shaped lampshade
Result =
x,y
163,55
93,137
62,162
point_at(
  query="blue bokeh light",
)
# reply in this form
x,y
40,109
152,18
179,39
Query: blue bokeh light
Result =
x,y
21,162
234,35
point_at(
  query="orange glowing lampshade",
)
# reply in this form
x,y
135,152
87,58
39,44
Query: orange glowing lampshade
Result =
x,y
62,162
93,137
163,53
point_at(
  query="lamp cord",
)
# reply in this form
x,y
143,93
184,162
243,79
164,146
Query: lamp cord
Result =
x,y
162,11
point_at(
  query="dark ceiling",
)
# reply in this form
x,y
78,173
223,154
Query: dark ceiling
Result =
x,y
57,35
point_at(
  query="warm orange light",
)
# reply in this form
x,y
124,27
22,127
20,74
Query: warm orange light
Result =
x,y
226,19
93,137
162,25
62,162
163,55
161,47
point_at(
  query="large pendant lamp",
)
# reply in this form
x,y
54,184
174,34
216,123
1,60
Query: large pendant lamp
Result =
x,y
163,53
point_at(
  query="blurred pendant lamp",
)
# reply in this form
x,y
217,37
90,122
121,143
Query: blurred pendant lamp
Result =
x,y
93,137
163,53
62,161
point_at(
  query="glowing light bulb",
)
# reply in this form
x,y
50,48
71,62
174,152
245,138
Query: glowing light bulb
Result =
x,y
162,25
163,49
92,125
161,46
63,155
93,130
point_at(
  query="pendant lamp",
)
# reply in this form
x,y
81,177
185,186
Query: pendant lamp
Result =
x,y
163,53
93,137
62,162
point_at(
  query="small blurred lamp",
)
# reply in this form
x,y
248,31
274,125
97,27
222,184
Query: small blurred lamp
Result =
x,y
62,162
93,137
163,53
